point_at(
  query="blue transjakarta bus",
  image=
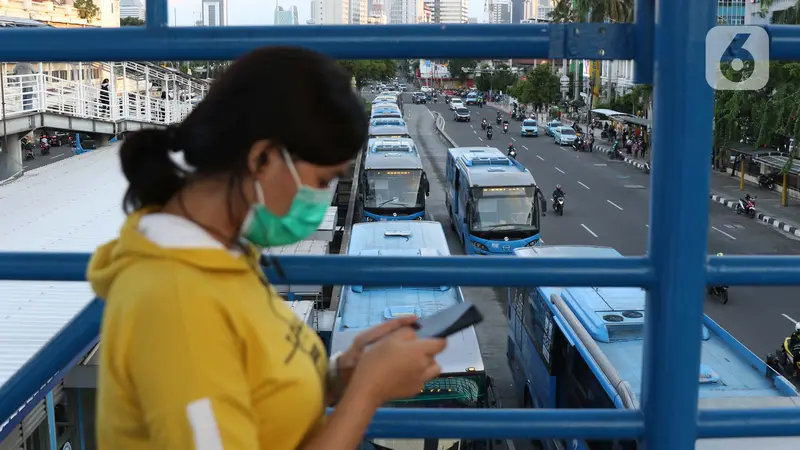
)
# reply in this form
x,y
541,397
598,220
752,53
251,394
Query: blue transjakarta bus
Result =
x,y
581,347
491,200
393,185
463,382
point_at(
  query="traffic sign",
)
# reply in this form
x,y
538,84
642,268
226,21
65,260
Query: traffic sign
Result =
x,y
564,80
564,88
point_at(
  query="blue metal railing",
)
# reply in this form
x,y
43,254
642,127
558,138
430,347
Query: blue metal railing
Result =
x,y
669,52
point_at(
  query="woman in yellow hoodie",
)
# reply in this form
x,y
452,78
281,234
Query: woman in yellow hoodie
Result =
x,y
197,350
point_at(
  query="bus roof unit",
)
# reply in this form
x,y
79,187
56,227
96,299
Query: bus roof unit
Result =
x,y
392,154
488,166
362,307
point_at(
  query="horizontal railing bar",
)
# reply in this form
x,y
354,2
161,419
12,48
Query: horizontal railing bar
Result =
x,y
384,271
753,270
749,423
784,42
225,43
418,423
781,270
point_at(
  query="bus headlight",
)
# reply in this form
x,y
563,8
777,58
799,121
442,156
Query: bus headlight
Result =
x,y
480,246
532,243
368,219
419,218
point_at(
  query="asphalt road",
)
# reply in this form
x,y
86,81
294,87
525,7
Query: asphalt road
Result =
x,y
56,154
607,203
492,302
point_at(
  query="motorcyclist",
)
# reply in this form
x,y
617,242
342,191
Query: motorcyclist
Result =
x,y
718,288
484,122
794,339
511,146
489,131
498,118
558,192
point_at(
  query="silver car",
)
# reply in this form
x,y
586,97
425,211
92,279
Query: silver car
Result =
x,y
564,136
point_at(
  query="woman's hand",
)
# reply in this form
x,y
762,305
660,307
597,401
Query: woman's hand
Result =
x,y
396,367
348,360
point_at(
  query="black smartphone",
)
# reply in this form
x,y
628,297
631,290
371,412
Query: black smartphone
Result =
x,y
448,321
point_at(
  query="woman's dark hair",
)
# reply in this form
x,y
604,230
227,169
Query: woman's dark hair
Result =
x,y
294,97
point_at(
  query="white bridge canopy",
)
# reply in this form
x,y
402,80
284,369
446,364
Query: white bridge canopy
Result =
x,y
609,112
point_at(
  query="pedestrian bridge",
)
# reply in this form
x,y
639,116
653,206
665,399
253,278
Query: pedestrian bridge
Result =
x,y
140,95
667,43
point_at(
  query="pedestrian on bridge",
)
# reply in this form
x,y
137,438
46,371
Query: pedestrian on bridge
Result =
x,y
198,350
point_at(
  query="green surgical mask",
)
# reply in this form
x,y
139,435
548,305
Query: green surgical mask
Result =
x,y
264,229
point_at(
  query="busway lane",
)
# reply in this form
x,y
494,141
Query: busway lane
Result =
x,y
492,302
754,315
589,219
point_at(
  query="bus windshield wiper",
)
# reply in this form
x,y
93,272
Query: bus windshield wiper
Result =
x,y
505,225
391,200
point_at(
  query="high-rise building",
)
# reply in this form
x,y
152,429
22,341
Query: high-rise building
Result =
x,y
538,10
731,12
330,12
517,10
215,13
450,11
286,16
403,11
359,12
501,12
132,8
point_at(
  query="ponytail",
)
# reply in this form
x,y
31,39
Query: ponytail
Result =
x,y
152,176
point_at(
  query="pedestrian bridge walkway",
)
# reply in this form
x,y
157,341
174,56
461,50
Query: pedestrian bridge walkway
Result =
x,y
139,95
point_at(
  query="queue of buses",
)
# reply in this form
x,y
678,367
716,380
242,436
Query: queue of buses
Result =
x,y
490,198
573,347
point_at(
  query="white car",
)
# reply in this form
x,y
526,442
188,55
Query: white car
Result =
x,y
456,103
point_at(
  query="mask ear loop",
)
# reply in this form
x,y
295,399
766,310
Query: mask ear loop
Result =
x,y
292,169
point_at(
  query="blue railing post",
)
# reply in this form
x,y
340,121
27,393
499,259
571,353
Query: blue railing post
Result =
x,y
156,15
678,235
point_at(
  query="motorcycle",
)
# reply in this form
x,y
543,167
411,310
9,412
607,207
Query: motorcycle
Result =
x,y
558,205
45,147
512,153
768,180
483,124
785,361
646,168
505,128
616,154
747,207
489,133
579,145
720,292
499,120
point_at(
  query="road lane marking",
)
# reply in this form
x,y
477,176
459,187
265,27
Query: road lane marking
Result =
x,y
513,139
587,229
526,148
789,318
614,205
480,138
474,131
646,226
726,234
587,187
561,171
540,157
57,156
431,113
634,186
601,165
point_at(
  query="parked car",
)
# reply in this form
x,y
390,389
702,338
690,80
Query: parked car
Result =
x,y
551,126
564,136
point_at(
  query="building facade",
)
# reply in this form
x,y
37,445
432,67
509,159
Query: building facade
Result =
x,y
286,16
451,11
132,8
62,13
359,12
538,10
517,10
500,12
331,12
731,12
214,13
403,11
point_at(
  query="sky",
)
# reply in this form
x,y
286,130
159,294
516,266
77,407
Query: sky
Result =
x,y
260,12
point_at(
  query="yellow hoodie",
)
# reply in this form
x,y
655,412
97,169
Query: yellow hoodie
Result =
x,y
195,352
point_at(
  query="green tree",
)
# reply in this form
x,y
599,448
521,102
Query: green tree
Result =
x,y
540,88
461,68
131,22
86,9
365,70
788,16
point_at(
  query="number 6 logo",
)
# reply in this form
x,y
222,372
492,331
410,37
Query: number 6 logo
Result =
x,y
737,45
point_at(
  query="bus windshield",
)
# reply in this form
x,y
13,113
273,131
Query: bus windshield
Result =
x,y
393,188
504,209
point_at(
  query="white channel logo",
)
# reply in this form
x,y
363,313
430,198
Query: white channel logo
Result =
x,y
737,45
